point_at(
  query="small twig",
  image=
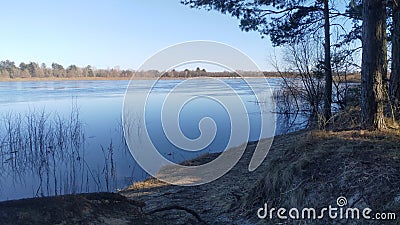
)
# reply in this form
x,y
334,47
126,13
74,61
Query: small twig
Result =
x,y
177,207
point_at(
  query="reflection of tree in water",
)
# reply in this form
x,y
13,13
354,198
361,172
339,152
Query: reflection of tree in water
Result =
x,y
49,151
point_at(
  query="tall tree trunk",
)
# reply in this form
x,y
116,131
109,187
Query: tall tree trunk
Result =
x,y
328,68
395,75
374,64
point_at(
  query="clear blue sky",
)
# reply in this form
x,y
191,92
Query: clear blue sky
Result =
x,y
108,33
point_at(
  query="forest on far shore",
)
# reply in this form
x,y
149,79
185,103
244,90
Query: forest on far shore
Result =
x,y
9,70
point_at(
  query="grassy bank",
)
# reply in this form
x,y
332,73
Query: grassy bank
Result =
x,y
302,169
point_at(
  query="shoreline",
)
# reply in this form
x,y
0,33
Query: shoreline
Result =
x,y
295,173
290,175
55,79
49,79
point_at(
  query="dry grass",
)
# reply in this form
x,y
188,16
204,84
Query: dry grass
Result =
x,y
362,165
351,78
303,169
149,184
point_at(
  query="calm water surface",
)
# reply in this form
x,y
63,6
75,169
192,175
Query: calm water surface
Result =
x,y
93,155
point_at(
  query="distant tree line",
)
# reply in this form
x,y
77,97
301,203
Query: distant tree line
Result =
x,y
8,69
203,73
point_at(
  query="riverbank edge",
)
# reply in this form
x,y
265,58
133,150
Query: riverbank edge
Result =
x,y
294,164
352,79
113,78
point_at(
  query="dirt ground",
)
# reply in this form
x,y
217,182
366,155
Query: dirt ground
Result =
x,y
302,169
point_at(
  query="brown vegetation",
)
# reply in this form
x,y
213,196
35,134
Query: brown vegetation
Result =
x,y
302,169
